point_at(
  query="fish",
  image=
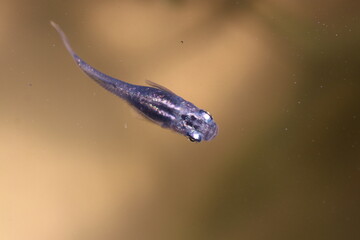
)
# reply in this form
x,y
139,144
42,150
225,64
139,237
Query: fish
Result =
x,y
155,102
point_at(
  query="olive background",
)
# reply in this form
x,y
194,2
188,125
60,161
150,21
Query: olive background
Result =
x,y
280,77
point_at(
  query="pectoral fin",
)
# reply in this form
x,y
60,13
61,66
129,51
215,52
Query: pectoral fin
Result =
x,y
155,85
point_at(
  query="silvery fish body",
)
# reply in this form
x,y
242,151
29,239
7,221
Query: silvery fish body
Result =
x,y
156,103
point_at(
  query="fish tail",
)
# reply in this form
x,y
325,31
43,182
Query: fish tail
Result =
x,y
64,39
113,85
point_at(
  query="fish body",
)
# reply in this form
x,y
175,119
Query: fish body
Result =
x,y
156,103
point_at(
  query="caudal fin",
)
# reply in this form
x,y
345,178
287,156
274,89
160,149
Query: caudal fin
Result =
x,y
64,39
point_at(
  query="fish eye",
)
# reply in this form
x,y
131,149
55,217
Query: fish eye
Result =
x,y
206,115
191,139
194,136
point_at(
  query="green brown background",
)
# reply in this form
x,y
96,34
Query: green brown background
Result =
x,y
280,77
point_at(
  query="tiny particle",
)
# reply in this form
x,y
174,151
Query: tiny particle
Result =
x,y
299,102
125,125
286,129
182,41
30,84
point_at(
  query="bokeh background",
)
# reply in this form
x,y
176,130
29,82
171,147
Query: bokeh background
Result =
x,y
280,77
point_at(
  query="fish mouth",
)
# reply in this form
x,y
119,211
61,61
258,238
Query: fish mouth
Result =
x,y
211,132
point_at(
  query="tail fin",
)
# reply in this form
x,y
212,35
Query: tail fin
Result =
x,y
65,40
115,86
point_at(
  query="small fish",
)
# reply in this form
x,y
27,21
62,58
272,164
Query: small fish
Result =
x,y
156,103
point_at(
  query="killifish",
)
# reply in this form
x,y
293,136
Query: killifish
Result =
x,y
156,103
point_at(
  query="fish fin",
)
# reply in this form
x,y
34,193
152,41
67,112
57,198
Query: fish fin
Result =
x,y
136,113
156,85
111,84
64,39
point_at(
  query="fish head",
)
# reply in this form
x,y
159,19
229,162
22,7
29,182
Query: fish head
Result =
x,y
199,126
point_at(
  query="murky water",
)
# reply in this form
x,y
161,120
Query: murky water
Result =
x,y
280,78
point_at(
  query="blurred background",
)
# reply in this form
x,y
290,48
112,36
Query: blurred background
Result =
x,y
280,77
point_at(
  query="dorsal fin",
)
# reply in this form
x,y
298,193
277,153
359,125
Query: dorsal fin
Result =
x,y
151,83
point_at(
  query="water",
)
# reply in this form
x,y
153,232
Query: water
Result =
x,y
280,78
